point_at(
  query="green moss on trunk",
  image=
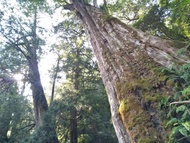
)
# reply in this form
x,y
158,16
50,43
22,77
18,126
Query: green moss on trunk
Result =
x,y
138,121
139,100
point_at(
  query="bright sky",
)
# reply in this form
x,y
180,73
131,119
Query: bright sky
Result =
x,y
49,58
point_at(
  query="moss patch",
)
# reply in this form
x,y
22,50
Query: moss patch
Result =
x,y
137,121
129,87
148,140
153,98
142,123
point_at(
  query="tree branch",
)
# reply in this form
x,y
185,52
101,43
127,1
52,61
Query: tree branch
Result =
x,y
180,102
69,7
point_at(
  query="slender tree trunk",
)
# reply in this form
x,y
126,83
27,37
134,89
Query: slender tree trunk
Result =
x,y
73,120
54,79
40,102
73,126
39,99
126,59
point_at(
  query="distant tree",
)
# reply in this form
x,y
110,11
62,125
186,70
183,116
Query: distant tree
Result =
x,y
16,118
22,36
82,94
16,121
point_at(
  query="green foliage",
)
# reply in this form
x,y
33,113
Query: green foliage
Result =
x,y
179,124
179,14
179,114
29,6
154,22
18,33
16,119
84,138
166,19
130,11
163,104
180,76
82,92
105,9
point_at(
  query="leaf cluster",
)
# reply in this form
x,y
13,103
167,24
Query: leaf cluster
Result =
x,y
82,92
179,113
16,120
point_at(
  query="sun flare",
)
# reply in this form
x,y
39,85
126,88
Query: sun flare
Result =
x,y
18,77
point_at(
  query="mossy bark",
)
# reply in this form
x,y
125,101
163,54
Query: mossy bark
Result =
x,y
126,59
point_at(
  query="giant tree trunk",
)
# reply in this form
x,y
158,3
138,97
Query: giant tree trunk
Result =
x,y
126,59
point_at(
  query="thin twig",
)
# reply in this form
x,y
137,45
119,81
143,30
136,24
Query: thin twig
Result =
x,y
180,102
183,138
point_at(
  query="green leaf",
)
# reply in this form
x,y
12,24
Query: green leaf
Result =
x,y
171,122
185,115
186,91
187,125
180,109
174,132
183,131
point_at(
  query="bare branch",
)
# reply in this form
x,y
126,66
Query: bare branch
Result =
x,y
180,102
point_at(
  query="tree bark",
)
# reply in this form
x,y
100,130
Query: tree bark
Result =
x,y
73,126
39,100
54,79
126,57
73,120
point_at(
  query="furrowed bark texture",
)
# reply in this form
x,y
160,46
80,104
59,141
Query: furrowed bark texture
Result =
x,y
124,57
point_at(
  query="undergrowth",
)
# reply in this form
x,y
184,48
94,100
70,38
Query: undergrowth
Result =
x,y
179,104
